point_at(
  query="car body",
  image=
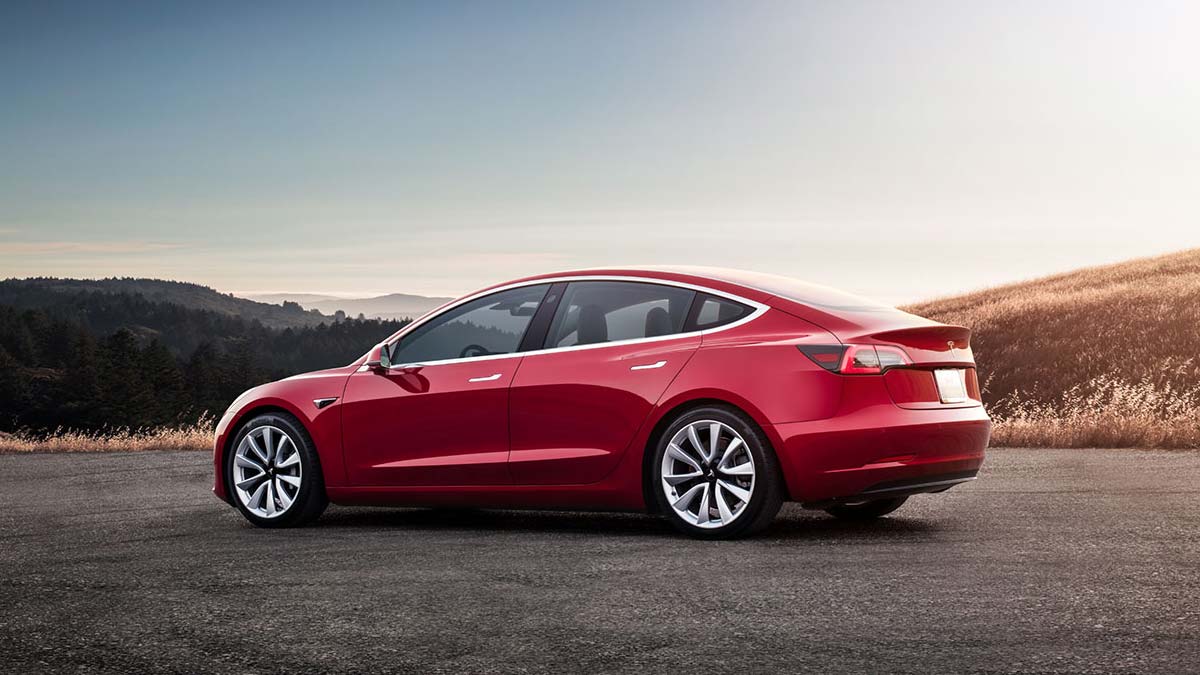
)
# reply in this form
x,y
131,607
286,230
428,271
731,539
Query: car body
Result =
x,y
584,371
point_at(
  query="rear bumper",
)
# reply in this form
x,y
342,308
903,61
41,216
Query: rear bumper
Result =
x,y
881,451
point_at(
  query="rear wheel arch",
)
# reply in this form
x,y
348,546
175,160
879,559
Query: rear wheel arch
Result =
x,y
669,415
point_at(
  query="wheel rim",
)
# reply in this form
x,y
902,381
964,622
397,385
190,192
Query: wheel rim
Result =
x,y
267,472
708,474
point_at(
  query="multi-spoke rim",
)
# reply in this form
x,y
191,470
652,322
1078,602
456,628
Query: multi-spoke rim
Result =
x,y
708,474
267,471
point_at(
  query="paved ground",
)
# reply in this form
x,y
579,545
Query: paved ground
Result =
x,y
1055,561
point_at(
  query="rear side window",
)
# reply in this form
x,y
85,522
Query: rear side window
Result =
x,y
593,312
712,312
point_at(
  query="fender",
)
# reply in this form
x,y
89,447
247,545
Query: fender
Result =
x,y
323,425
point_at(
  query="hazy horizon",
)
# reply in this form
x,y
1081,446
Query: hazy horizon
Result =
x,y
897,150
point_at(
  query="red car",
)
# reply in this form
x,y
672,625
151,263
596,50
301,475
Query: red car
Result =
x,y
708,395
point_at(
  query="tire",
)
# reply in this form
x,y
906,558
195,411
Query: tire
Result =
x,y
683,498
866,510
278,454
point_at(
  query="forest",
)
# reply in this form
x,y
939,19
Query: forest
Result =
x,y
92,360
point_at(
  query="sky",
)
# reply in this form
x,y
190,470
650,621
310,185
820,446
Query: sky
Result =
x,y
899,150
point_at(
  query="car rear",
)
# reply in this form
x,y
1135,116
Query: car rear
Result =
x,y
910,418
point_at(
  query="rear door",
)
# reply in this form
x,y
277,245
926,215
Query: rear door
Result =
x,y
614,348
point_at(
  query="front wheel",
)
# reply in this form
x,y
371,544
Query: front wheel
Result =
x,y
715,474
274,473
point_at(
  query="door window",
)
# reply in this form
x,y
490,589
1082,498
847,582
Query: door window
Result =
x,y
493,324
606,311
712,312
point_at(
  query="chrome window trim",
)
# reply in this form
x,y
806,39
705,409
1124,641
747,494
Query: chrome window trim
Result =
x,y
759,310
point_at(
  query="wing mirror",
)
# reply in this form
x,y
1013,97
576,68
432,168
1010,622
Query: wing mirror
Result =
x,y
383,362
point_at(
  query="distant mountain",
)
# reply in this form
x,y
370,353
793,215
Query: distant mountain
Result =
x,y
391,306
46,292
303,299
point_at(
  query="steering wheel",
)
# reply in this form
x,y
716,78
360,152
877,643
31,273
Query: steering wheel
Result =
x,y
473,350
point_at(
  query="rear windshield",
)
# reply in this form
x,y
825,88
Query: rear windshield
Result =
x,y
814,295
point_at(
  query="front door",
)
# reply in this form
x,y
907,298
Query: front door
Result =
x,y
440,416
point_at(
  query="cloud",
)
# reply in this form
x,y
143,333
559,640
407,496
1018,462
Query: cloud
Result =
x,y
46,247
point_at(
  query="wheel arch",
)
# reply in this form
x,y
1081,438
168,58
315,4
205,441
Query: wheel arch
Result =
x,y
244,418
667,414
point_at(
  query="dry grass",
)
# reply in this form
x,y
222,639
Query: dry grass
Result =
x,y
1102,357
198,436
1105,412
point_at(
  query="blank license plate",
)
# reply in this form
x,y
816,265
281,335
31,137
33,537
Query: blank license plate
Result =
x,y
952,388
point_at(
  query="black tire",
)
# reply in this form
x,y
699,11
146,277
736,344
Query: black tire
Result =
x,y
866,510
310,500
768,493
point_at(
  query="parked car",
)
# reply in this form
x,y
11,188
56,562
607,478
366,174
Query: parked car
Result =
x,y
710,396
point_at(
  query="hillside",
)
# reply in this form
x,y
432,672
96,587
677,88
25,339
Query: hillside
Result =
x,y
77,357
390,306
1120,340
44,292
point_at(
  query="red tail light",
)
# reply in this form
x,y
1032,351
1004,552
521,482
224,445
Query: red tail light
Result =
x,y
856,359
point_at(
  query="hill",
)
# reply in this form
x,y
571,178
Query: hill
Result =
x,y
75,356
1111,351
46,292
390,306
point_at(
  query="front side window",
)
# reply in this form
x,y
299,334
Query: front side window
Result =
x,y
593,312
493,324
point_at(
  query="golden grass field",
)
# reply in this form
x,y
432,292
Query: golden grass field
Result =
x,y
197,436
1100,357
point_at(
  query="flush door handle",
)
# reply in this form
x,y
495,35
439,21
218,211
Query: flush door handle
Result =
x,y
649,366
488,378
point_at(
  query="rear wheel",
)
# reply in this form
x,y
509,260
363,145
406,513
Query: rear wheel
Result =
x,y
715,474
866,510
274,474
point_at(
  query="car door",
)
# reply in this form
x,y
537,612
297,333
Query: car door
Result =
x,y
610,351
439,416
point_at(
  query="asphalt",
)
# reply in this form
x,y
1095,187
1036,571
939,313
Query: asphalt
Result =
x,y
1055,561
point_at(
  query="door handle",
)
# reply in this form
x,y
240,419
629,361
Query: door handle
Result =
x,y
649,366
489,378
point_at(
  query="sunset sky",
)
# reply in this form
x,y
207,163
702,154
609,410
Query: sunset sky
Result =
x,y
900,150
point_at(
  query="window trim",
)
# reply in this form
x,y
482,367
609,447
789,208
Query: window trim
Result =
x,y
758,307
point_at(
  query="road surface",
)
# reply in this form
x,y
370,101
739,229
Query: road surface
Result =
x,y
1055,561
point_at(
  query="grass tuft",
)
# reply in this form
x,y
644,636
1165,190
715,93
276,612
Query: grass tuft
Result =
x,y
196,436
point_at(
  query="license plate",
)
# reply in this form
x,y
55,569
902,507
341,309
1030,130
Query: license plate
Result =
x,y
951,385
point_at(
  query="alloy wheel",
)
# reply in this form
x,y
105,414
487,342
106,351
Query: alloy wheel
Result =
x,y
708,474
267,471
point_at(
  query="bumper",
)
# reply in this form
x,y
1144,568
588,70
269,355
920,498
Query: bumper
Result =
x,y
882,451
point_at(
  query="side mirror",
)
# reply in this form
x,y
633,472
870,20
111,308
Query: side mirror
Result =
x,y
382,363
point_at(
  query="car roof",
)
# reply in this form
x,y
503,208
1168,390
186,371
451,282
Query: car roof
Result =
x,y
753,285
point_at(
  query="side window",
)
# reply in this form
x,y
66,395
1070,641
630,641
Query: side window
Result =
x,y
493,324
712,312
606,311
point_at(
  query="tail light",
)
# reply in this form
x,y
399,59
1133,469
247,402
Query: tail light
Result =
x,y
856,359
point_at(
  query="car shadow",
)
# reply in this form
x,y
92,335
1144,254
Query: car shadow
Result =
x,y
791,525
